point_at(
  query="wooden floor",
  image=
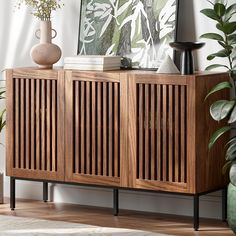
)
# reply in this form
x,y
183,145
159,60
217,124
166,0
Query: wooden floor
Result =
x,y
166,224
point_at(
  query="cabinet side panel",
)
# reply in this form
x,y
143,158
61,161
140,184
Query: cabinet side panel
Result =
x,y
209,162
9,123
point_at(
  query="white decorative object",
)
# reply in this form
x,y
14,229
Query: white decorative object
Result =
x,y
45,54
1,188
168,67
92,62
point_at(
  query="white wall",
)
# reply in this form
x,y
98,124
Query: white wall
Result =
x,y
17,37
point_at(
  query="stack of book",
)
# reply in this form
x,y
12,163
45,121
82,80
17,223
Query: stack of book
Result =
x,y
92,62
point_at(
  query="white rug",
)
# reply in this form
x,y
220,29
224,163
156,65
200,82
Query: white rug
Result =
x,y
19,226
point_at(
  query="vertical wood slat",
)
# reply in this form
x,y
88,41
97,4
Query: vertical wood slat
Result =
x,y
48,124
22,123
54,125
164,111
147,151
170,134
182,132
77,130
116,127
93,134
176,138
88,122
105,154
96,128
159,133
32,101
152,126
82,142
42,126
38,124
99,129
141,132
27,122
164,130
32,120
110,130
17,123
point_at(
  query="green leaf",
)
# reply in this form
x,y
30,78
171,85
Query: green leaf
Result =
x,y
218,87
227,28
221,53
232,118
233,139
214,66
213,36
230,11
226,167
219,9
220,109
231,152
233,74
211,14
232,39
217,135
225,46
157,6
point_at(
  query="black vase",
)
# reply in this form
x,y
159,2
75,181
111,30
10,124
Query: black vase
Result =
x,y
187,62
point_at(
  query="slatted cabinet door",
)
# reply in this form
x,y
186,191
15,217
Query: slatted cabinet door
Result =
x,y
158,136
35,118
93,128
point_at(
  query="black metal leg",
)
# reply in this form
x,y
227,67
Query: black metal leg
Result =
x,y
45,191
115,202
224,204
196,212
12,193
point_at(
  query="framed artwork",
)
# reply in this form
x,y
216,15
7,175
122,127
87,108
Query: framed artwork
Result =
x,y
138,30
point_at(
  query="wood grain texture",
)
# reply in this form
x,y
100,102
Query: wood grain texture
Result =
x,y
91,215
131,129
60,160
209,163
34,112
132,133
95,120
10,132
124,119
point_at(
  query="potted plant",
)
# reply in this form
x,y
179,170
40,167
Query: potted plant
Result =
x,y
2,125
222,13
45,54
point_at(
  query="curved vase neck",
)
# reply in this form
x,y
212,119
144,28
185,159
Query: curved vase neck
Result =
x,y
45,31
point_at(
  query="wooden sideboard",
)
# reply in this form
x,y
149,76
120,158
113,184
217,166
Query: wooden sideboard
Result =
x,y
119,129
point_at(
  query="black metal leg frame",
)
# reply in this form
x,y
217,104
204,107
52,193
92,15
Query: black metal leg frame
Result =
x,y
116,199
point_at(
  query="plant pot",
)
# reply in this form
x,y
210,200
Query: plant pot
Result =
x,y
45,54
231,207
1,189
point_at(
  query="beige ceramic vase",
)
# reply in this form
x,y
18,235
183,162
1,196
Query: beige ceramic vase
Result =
x,y
45,54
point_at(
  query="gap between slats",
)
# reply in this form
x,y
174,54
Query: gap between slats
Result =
x,y
35,126
96,128
161,132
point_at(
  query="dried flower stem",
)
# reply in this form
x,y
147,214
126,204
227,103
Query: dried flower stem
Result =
x,y
42,9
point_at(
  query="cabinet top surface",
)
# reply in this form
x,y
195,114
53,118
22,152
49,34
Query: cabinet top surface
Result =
x,y
111,76
130,72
